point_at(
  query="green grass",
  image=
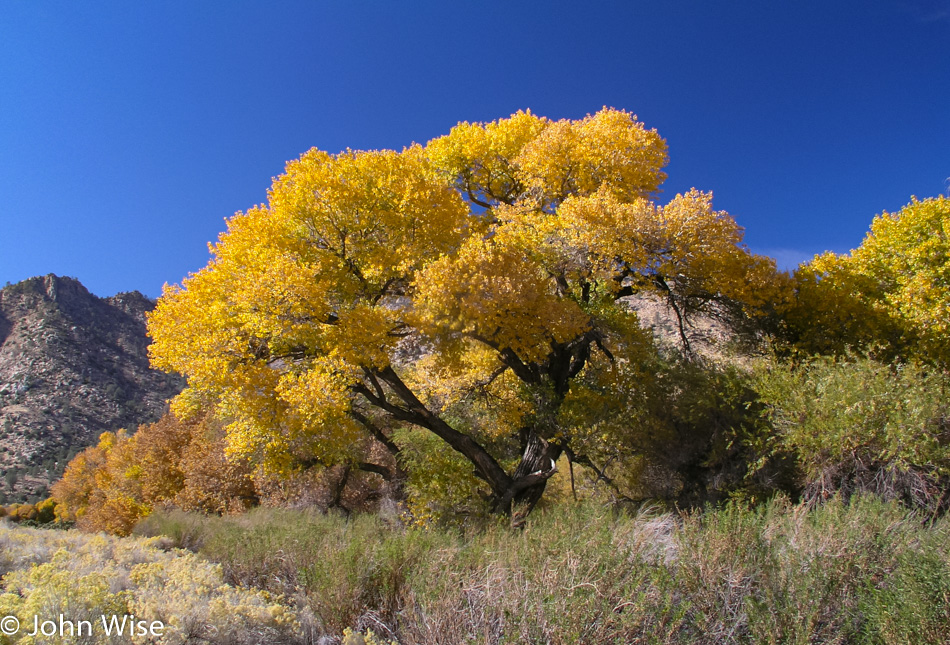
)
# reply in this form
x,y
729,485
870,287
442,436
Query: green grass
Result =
x,y
865,571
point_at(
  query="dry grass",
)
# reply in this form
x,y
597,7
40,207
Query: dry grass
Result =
x,y
864,571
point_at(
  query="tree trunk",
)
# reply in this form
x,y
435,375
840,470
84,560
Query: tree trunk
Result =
x,y
538,464
337,488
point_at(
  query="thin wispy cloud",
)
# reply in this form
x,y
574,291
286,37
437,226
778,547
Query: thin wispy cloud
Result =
x,y
787,259
929,11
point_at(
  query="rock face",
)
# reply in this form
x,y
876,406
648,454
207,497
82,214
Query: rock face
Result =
x,y
72,366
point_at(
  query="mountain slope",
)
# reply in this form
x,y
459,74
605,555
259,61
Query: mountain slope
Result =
x,y
72,366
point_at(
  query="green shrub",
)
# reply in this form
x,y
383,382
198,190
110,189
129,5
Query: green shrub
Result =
x,y
861,425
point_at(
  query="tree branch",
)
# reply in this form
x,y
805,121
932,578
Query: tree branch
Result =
x,y
491,377
375,431
680,317
376,386
601,475
418,414
397,412
375,468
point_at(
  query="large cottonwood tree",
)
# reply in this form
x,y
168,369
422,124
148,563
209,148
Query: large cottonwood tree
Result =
x,y
471,288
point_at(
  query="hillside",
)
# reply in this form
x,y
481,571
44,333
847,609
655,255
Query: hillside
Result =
x,y
72,365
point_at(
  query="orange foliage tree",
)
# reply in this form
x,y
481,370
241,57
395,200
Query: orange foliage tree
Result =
x,y
110,486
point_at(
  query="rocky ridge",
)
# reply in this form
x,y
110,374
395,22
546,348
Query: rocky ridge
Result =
x,y
72,366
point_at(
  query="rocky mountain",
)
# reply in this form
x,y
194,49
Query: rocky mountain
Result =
x,y
72,366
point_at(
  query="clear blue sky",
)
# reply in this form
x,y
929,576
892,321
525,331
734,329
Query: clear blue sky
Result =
x,y
130,130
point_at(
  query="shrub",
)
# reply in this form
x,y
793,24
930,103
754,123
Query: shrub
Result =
x,y
863,571
48,573
862,425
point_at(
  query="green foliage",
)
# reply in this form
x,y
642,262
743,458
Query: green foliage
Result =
x,y
910,605
441,486
36,514
861,424
684,429
663,428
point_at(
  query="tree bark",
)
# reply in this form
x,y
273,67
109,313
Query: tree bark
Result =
x,y
538,464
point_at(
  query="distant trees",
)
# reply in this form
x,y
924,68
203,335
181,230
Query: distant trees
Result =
x,y
890,295
183,464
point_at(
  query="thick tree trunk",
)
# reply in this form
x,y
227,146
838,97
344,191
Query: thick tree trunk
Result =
x,y
538,464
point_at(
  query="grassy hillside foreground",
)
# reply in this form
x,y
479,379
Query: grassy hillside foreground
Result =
x,y
862,572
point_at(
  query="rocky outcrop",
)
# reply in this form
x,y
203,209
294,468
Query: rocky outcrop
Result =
x,y
72,366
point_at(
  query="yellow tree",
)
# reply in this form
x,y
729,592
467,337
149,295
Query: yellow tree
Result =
x,y
890,293
908,255
470,288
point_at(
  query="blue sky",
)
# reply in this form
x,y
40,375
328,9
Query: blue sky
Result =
x,y
130,130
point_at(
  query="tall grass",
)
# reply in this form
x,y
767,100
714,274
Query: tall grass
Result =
x,y
863,571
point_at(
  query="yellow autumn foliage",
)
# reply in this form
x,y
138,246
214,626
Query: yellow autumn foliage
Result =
x,y
891,294
460,287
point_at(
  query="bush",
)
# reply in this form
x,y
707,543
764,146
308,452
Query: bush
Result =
x,y
687,430
859,424
82,577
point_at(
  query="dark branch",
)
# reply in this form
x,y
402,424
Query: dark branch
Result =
x,y
397,412
375,431
527,373
491,377
383,472
476,200
384,290
376,386
418,414
601,475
